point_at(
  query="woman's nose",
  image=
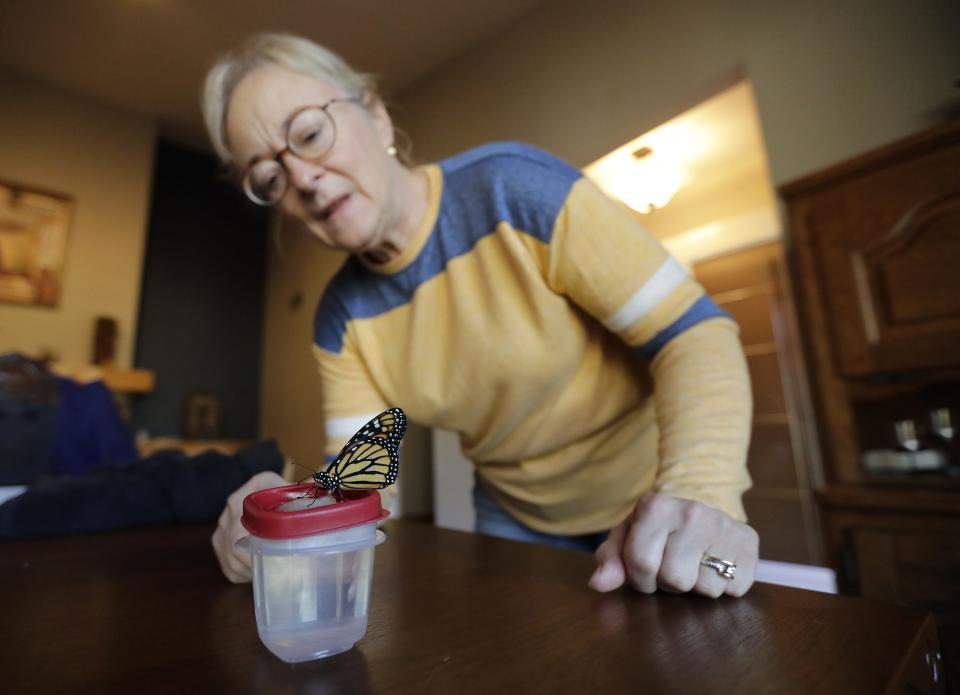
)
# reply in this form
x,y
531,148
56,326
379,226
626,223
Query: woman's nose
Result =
x,y
304,176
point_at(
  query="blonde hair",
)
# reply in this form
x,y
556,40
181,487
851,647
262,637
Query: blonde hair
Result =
x,y
279,50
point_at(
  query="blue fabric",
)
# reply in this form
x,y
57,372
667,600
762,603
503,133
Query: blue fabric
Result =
x,y
493,520
165,488
89,431
500,182
701,310
27,432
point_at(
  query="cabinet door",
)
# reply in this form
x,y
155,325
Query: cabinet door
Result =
x,y
915,569
885,243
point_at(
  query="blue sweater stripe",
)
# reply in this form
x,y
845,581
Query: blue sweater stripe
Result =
x,y
701,310
483,187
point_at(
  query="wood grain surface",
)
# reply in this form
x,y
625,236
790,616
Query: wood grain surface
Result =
x,y
148,611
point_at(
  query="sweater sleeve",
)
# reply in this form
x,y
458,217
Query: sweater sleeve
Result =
x,y
703,412
606,262
350,398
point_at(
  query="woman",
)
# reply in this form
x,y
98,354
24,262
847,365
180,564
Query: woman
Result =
x,y
501,295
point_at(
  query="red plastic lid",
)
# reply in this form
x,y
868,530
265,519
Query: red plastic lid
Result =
x,y
262,516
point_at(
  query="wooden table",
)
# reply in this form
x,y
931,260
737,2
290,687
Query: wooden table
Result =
x,y
148,611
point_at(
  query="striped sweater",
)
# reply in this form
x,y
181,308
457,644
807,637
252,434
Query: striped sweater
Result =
x,y
534,316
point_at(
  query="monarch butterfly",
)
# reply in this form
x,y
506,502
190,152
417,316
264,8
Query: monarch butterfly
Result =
x,y
370,459
390,424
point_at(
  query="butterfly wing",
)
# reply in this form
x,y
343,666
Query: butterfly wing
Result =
x,y
364,464
391,425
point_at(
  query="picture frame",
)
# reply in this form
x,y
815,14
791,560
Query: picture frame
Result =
x,y
33,236
201,416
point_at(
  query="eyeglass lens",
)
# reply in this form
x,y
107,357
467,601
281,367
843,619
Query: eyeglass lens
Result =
x,y
311,133
310,136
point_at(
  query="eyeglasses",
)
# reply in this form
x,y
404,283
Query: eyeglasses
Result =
x,y
310,134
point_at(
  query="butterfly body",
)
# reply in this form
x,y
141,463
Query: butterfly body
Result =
x,y
370,460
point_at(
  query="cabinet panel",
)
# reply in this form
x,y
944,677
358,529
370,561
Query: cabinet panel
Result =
x,y
915,569
770,458
780,519
914,272
885,242
765,382
752,315
919,569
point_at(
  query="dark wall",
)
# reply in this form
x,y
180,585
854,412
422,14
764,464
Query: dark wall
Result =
x,y
201,306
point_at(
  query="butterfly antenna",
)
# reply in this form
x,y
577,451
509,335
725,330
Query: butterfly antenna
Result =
x,y
312,472
312,490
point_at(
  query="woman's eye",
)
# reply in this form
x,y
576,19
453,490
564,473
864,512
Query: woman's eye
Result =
x,y
268,184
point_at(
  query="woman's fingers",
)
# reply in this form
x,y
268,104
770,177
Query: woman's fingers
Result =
x,y
667,540
653,520
747,551
234,564
610,573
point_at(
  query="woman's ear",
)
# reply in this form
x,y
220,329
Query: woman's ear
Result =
x,y
382,122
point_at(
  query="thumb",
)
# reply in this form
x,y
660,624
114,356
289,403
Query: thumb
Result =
x,y
610,573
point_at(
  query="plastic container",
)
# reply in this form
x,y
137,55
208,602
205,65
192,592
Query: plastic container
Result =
x,y
312,562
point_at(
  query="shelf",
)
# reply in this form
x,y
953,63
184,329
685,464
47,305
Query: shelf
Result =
x,y
117,380
898,495
192,447
900,386
771,419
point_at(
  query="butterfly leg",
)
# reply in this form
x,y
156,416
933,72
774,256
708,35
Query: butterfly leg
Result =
x,y
315,491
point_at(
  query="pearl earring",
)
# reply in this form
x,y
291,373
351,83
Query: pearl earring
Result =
x,y
392,151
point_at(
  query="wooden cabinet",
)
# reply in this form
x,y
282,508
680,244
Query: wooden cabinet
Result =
x,y
874,251
900,547
880,240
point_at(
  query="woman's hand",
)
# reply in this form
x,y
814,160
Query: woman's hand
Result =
x,y
236,565
660,545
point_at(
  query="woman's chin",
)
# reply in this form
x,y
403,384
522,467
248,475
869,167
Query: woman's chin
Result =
x,y
341,240
357,245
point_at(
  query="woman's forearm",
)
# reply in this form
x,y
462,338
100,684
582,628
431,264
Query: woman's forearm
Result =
x,y
704,409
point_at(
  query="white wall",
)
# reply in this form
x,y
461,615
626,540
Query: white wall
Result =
x,y
452,483
103,159
832,79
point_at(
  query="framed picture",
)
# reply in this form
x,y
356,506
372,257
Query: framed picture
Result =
x,y
33,237
201,416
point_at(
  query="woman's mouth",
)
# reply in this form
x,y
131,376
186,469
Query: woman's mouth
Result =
x,y
330,211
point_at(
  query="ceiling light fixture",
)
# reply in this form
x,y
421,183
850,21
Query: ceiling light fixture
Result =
x,y
639,178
